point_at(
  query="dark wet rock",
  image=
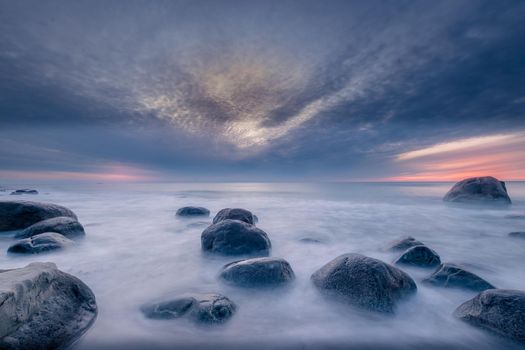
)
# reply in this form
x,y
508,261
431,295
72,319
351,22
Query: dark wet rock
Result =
x,y
403,244
234,214
201,308
310,240
255,219
419,255
451,275
40,243
515,216
42,307
501,311
517,234
234,237
16,215
66,226
485,189
364,282
258,272
193,211
24,191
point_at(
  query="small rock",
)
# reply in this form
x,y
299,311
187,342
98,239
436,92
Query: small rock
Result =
x,y
450,275
40,243
201,308
515,216
193,211
234,237
501,311
309,240
24,191
42,307
234,214
258,272
518,234
66,226
403,244
419,255
485,189
16,215
364,282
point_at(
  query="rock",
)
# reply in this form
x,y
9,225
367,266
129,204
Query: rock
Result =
x,y
403,244
310,240
201,308
515,216
258,272
419,255
501,311
518,234
24,191
42,307
234,214
364,282
479,190
234,237
193,211
16,215
451,275
40,243
66,226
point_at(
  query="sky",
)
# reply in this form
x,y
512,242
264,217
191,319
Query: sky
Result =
x,y
262,90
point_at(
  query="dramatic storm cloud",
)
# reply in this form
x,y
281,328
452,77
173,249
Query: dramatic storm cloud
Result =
x,y
269,90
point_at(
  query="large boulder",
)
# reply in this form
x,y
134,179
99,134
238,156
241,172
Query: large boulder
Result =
x,y
66,226
235,214
42,307
258,272
16,215
201,308
234,237
24,191
419,255
451,275
40,243
485,189
501,311
364,282
193,211
403,244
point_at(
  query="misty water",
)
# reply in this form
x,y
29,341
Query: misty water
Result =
x,y
136,251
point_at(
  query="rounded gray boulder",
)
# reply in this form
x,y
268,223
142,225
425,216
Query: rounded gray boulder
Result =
x,y
453,276
66,226
485,189
234,237
403,244
42,307
17,215
235,214
258,272
40,243
192,211
201,308
419,255
364,282
501,311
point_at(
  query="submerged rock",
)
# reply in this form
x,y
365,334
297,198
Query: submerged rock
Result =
x,y
419,255
193,211
40,243
501,311
201,308
310,240
451,275
258,272
42,307
485,189
24,191
66,226
235,214
518,234
403,244
234,237
16,215
364,282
